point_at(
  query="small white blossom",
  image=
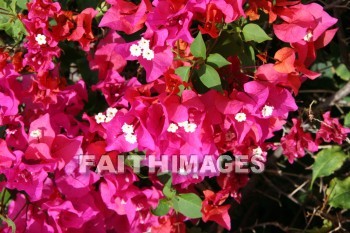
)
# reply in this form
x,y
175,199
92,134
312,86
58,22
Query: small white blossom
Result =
x,y
130,138
111,112
257,151
128,129
144,43
100,118
190,127
40,39
241,116
267,111
148,54
108,119
36,133
172,128
135,50
308,36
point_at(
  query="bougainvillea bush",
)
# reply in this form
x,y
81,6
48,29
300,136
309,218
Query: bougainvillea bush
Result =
x,y
118,80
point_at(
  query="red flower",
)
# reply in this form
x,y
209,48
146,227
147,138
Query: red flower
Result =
x,y
332,130
65,24
213,17
82,32
295,143
3,59
212,209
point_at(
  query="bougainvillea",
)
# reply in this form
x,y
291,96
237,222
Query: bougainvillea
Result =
x,y
150,78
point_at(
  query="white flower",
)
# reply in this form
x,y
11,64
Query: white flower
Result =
x,y
241,116
172,128
257,151
111,112
40,39
308,36
108,119
148,54
135,50
144,43
128,129
100,118
130,138
267,111
36,133
190,127
183,124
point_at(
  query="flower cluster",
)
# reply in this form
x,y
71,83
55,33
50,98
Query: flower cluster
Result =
x,y
142,47
157,100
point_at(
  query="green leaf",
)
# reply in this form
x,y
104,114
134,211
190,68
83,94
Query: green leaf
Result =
x,y
162,208
166,179
182,88
168,191
232,44
343,72
217,61
198,48
5,195
9,22
253,32
327,161
53,22
188,204
339,193
22,4
183,72
347,120
210,77
325,68
17,30
8,5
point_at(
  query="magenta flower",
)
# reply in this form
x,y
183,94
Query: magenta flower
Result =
x,y
126,16
170,24
297,141
303,23
332,130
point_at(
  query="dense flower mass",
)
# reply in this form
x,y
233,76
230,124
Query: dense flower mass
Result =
x,y
163,88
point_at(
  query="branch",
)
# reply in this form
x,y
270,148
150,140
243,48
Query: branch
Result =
x,y
332,100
